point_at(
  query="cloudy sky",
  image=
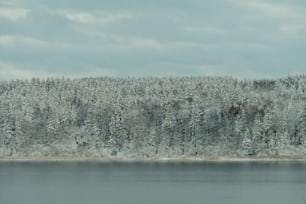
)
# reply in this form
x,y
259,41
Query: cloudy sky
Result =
x,y
75,38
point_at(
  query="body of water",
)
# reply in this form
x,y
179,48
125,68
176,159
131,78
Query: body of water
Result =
x,y
150,182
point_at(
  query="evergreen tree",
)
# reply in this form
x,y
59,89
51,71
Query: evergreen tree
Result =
x,y
195,116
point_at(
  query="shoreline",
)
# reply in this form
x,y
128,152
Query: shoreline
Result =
x,y
153,159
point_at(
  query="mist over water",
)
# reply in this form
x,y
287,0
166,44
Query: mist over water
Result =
x,y
150,182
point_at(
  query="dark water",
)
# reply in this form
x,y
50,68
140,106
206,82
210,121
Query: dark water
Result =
x,y
146,183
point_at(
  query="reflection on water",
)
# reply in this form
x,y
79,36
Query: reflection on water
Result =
x,y
146,183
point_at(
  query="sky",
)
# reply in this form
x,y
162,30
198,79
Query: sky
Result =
x,y
124,38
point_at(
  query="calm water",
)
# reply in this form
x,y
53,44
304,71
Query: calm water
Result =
x,y
146,183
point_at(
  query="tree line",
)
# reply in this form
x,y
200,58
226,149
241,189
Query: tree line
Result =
x,y
153,117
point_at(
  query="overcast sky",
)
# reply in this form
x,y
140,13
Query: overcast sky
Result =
x,y
75,38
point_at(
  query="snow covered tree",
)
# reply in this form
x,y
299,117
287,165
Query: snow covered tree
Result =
x,y
191,116
301,137
246,145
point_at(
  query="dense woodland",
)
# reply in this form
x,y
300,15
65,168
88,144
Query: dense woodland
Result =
x,y
153,117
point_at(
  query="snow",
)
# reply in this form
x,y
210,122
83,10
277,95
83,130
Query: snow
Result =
x,y
163,118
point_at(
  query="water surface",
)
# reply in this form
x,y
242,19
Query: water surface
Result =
x,y
149,182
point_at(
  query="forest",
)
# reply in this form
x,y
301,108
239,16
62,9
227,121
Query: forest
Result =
x,y
170,117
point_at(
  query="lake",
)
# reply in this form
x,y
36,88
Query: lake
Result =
x,y
152,182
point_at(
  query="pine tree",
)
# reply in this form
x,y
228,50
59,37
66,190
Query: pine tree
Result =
x,y
268,129
246,144
302,128
257,136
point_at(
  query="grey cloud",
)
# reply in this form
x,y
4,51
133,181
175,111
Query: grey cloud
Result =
x,y
140,38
